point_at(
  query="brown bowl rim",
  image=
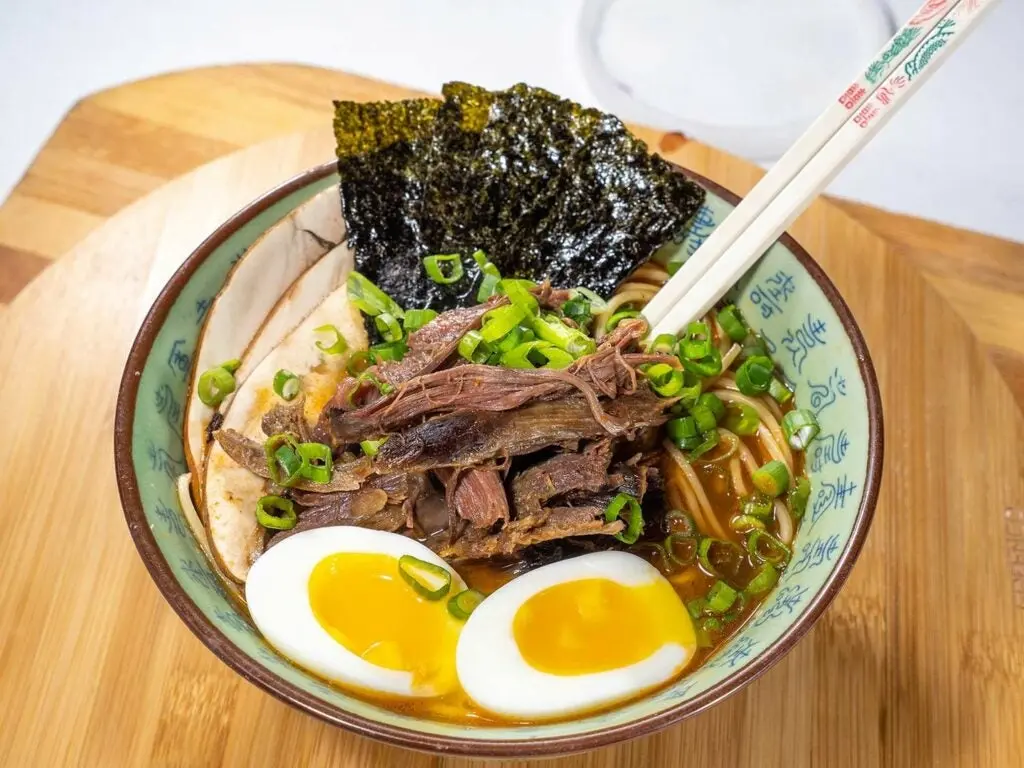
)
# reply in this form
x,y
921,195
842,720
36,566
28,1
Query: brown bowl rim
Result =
x,y
256,674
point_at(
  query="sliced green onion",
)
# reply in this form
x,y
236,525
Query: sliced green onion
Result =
x,y
214,385
372,447
499,322
430,580
435,271
665,344
597,304
691,390
709,440
283,461
417,318
511,340
286,385
551,329
706,366
765,578
464,603
578,310
337,346
678,521
703,417
798,497
358,362
780,392
714,404
519,295
232,365
370,299
715,554
731,322
754,376
276,513
696,607
742,419
696,343
771,478
683,432
388,327
746,523
472,347
392,350
800,427
491,277
721,597
753,346
681,549
618,317
758,506
765,548
633,516
664,379
317,462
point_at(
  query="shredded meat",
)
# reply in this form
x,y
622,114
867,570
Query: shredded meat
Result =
x,y
478,495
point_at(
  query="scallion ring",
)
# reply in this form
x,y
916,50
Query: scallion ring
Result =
x,y
317,462
499,322
337,347
372,447
430,580
370,299
436,272
755,375
765,578
463,604
800,427
772,478
709,440
472,347
765,548
519,295
214,385
286,385
417,318
276,513
746,523
391,350
798,497
731,322
664,379
626,506
681,549
720,597
358,362
665,344
284,464
388,327
618,317
742,419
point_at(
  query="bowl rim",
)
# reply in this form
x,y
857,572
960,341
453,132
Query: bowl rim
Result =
x,y
268,681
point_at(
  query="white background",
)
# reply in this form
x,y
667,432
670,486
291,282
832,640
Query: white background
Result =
x,y
955,153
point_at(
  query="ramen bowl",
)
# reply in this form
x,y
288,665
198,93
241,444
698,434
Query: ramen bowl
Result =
x,y
785,296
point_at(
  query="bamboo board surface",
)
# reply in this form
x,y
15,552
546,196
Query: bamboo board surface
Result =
x,y
920,661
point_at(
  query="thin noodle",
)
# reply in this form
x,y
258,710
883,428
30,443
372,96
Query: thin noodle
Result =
x,y
728,358
720,336
731,439
772,406
634,294
736,470
712,521
770,433
648,273
785,521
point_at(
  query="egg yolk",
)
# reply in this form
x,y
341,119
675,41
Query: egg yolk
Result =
x,y
595,625
362,602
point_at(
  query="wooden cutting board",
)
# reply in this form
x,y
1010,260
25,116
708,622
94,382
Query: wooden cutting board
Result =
x,y
919,661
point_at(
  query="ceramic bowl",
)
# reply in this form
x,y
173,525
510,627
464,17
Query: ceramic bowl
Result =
x,y
786,296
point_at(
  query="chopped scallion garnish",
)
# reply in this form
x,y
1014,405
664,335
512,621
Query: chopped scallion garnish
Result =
x,y
550,328
703,417
463,604
627,507
742,419
391,350
214,385
757,505
746,523
388,327
800,427
709,440
472,347
417,318
372,447
765,548
337,345
720,597
683,432
681,549
286,385
618,317
664,379
430,580
284,463
714,404
317,462
358,362
765,578
755,375
710,365
519,294
499,322
665,344
370,299
731,322
772,478
798,497
445,270
276,513
780,392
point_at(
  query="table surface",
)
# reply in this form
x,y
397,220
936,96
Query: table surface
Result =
x,y
921,658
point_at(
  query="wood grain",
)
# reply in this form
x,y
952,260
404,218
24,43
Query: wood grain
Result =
x,y
920,661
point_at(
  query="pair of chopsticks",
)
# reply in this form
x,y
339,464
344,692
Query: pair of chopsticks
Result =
x,y
914,52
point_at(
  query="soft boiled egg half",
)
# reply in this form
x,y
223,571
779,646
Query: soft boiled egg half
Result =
x,y
333,601
574,636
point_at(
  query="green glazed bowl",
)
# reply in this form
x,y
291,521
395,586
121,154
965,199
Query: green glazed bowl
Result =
x,y
786,296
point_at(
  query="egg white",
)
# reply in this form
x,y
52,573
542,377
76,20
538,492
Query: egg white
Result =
x,y
277,593
493,672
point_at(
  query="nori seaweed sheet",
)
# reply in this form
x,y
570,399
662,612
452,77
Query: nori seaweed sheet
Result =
x,y
547,188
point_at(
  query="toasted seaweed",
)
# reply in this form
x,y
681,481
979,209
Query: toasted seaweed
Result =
x,y
547,188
